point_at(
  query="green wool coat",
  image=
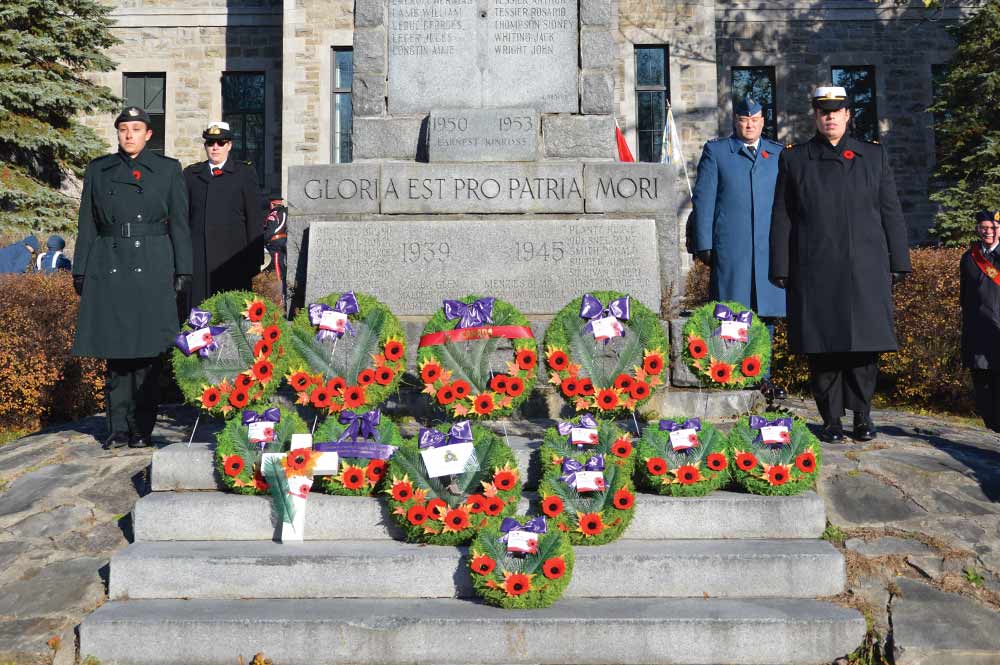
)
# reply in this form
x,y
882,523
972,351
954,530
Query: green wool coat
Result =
x,y
128,307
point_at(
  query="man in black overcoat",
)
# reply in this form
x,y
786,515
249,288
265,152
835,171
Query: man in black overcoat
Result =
x,y
132,258
838,244
227,218
980,300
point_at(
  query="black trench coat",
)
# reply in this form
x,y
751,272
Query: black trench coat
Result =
x,y
837,232
128,308
980,300
227,226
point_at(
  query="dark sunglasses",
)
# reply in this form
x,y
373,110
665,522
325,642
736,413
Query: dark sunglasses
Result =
x,y
211,142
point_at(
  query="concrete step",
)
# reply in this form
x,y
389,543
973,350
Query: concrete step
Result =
x,y
163,516
374,569
455,632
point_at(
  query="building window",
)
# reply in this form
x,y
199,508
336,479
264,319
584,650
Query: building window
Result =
x,y
147,90
343,110
243,109
759,84
652,95
859,82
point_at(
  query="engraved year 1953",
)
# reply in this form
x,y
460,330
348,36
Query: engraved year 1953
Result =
x,y
527,250
513,123
428,252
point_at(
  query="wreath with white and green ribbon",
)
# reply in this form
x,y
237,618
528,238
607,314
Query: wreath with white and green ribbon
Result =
x,y
231,353
607,358
591,501
521,564
478,485
364,442
727,344
581,438
477,358
683,457
774,455
242,442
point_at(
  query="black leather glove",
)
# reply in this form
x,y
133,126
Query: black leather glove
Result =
x,y
78,284
182,284
705,256
780,282
899,277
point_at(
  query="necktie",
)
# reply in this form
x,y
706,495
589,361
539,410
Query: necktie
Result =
x,y
753,150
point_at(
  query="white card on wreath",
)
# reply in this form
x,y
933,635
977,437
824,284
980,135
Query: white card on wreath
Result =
x,y
333,321
735,331
683,439
583,436
447,460
772,434
261,432
607,327
524,542
589,481
198,339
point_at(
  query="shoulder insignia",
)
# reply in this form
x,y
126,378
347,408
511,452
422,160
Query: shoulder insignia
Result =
x,y
789,145
248,162
719,138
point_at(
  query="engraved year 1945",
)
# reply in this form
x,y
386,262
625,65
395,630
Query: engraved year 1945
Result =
x,y
428,252
526,250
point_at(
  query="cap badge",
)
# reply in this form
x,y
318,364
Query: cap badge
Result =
x,y
213,130
133,111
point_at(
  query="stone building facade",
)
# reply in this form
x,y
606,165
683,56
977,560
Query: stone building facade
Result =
x,y
291,44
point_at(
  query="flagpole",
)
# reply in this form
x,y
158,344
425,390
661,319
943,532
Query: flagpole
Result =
x,y
674,140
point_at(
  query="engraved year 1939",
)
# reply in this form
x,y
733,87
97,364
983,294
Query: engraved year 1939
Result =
x,y
428,252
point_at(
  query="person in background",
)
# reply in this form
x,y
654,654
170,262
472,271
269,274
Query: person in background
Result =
x,y
16,258
979,296
276,235
54,259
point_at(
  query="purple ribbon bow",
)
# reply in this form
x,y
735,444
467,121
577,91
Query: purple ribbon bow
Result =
x,y
592,309
197,319
478,313
723,313
365,425
759,422
671,426
570,467
586,420
509,524
272,415
460,432
346,304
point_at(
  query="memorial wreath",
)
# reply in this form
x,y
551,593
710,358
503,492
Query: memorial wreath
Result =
x,y
607,358
457,357
243,441
522,564
774,455
231,353
364,442
349,353
583,437
728,344
591,502
683,457
450,482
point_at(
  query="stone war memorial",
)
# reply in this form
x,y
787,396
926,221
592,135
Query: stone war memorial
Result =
x,y
485,164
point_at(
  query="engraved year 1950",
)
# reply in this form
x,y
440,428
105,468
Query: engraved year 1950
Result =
x,y
447,124
428,252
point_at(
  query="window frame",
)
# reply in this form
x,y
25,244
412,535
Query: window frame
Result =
x,y
771,74
656,133
158,142
237,152
870,69
341,92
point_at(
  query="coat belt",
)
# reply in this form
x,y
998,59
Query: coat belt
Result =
x,y
134,229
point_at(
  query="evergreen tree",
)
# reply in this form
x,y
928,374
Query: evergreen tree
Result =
x,y
46,48
967,127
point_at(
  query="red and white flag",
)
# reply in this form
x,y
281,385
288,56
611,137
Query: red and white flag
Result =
x,y
624,154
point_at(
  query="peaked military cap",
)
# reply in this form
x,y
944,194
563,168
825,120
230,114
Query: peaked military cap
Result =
x,y
830,98
133,113
217,130
747,106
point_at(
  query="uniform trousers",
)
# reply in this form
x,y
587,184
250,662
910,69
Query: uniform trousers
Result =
x,y
132,394
842,380
986,386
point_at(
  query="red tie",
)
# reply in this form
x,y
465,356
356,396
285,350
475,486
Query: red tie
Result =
x,y
216,171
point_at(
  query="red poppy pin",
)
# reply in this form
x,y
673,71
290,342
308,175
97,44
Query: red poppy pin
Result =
x,y
216,171
137,174
765,154
848,154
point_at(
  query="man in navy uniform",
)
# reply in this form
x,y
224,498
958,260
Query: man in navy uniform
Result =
x,y
838,244
980,301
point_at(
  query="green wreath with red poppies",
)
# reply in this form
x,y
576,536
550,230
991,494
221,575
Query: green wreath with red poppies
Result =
x,y
352,370
358,476
237,458
614,377
612,442
451,510
781,469
726,363
245,357
683,471
521,580
456,358
589,518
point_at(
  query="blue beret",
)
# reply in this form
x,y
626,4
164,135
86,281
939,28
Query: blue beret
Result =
x,y
746,106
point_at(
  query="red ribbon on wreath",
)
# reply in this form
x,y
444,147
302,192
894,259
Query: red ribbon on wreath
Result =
x,y
477,332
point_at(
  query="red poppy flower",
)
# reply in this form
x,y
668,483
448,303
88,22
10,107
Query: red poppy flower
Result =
x,y
259,483
256,311
765,154
366,376
233,465
434,507
657,466
505,480
517,584
515,386
446,394
261,348
716,461
402,491
493,506
243,381
336,385
483,405
320,398
416,515
137,174
750,366
298,459
777,474
375,470
354,396
483,564
393,350
622,448
461,388
263,369
526,359
653,363
353,478
585,387
384,376
239,398
806,462
623,499
300,381
848,154
688,475
430,373
499,383
697,348
552,506
569,387
720,372
746,461
272,334
554,568
210,398
558,360
476,503
591,524
639,390
624,382
607,399
456,519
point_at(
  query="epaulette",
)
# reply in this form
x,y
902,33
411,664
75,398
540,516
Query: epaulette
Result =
x,y
248,163
165,157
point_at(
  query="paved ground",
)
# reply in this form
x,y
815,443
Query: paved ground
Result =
x,y
917,512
